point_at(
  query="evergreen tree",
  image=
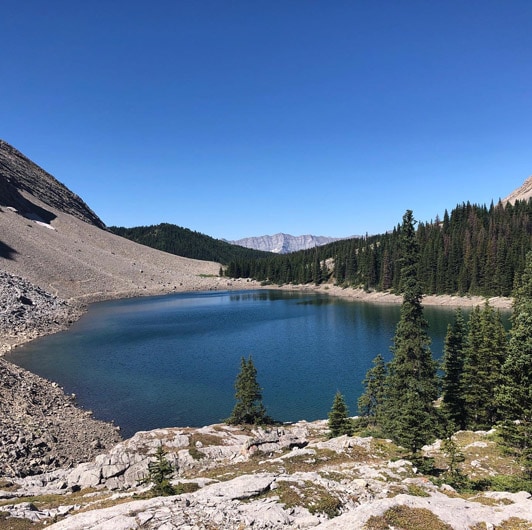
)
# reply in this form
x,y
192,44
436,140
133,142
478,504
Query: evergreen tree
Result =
x,y
339,422
370,402
514,395
159,473
474,250
453,404
454,475
248,408
485,354
409,415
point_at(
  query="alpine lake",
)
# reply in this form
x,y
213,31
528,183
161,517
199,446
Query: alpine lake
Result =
x,y
172,361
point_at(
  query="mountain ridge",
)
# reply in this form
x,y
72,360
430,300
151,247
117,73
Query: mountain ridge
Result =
x,y
22,181
523,193
187,243
282,243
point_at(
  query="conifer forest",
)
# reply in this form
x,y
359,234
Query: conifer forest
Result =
x,y
474,250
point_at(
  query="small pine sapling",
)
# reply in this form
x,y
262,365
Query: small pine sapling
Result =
x,y
159,472
339,421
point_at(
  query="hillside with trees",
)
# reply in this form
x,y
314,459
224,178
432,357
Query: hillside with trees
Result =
x,y
474,250
187,243
485,381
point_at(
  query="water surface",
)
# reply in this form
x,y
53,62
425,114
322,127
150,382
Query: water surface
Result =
x,y
172,360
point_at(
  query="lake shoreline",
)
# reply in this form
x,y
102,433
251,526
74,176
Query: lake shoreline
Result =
x,y
63,318
386,297
43,311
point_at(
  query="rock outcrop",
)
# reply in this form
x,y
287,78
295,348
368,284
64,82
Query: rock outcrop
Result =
x,y
289,476
27,311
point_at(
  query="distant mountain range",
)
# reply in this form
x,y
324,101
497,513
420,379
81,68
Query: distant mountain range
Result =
x,y
285,243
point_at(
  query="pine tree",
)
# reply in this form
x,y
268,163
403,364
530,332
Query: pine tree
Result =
x,y
454,475
248,408
514,395
159,473
485,354
339,422
370,402
409,415
453,404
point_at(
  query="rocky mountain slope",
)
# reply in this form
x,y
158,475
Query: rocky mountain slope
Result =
x,y
523,193
21,181
50,238
41,429
284,243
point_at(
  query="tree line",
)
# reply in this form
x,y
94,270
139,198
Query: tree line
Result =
x,y
487,377
475,250
187,243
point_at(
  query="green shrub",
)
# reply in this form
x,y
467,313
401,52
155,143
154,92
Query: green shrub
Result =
x,y
326,504
186,487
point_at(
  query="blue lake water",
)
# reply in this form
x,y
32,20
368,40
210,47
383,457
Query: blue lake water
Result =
x,y
172,360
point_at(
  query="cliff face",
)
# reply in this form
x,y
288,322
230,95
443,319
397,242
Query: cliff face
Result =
x,y
21,181
284,243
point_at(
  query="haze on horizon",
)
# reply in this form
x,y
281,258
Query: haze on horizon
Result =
x,y
240,119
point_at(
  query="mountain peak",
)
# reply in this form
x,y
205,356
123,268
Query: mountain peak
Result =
x,y
29,189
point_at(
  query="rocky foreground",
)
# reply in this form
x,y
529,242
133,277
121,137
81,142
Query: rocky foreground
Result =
x,y
27,311
41,428
290,476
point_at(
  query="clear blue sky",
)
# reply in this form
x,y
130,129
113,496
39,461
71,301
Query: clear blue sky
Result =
x,y
246,117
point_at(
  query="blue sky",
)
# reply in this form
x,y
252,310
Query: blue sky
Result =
x,y
242,117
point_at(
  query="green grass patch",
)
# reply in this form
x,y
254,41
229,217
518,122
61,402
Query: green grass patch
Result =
x,y
16,523
513,523
186,487
490,501
195,453
417,491
314,497
7,485
205,439
405,518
